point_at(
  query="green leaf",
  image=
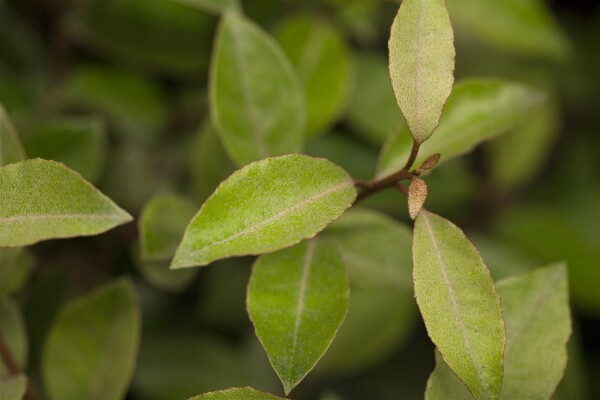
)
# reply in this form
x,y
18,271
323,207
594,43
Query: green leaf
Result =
x,y
78,142
379,321
322,59
478,110
459,304
422,63
527,28
11,149
246,393
257,101
92,346
538,326
162,223
13,388
373,95
297,300
266,206
14,335
212,6
373,260
16,265
44,199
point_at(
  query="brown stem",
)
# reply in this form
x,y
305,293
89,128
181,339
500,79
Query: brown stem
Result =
x,y
13,369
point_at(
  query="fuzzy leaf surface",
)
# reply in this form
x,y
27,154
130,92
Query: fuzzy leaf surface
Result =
x,y
297,300
266,206
257,101
459,304
246,393
92,347
42,200
422,54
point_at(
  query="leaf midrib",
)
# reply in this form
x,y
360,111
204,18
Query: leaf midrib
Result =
x,y
42,217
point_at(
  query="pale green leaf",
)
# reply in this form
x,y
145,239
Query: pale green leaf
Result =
x,y
16,265
14,334
159,275
44,199
379,321
478,110
266,206
212,6
257,101
322,60
459,304
373,95
11,149
526,27
161,225
538,326
376,248
246,393
78,142
422,63
13,388
92,346
297,300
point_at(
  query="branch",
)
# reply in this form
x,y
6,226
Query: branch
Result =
x,y
13,369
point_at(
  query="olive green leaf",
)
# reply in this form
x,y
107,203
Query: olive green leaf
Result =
x,y
322,60
257,101
13,387
376,248
16,265
477,110
92,346
212,6
11,149
422,63
266,206
246,393
538,326
459,304
297,300
44,199
14,334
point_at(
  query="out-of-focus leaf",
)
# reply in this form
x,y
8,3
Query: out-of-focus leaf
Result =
x,y
209,163
574,385
502,259
162,223
476,111
257,102
266,206
13,387
322,60
373,96
14,334
79,143
92,347
459,304
161,36
378,322
246,393
518,156
15,267
212,6
297,299
331,396
361,19
11,149
376,249
44,200
177,367
422,63
538,326
134,104
526,27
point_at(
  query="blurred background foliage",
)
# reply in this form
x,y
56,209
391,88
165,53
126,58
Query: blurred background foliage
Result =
x,y
117,90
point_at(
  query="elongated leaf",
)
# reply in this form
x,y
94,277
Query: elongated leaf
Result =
x,y
237,394
266,206
14,334
11,149
15,267
92,347
13,388
538,326
42,200
256,97
376,249
422,63
162,224
297,299
478,110
213,6
460,306
322,60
